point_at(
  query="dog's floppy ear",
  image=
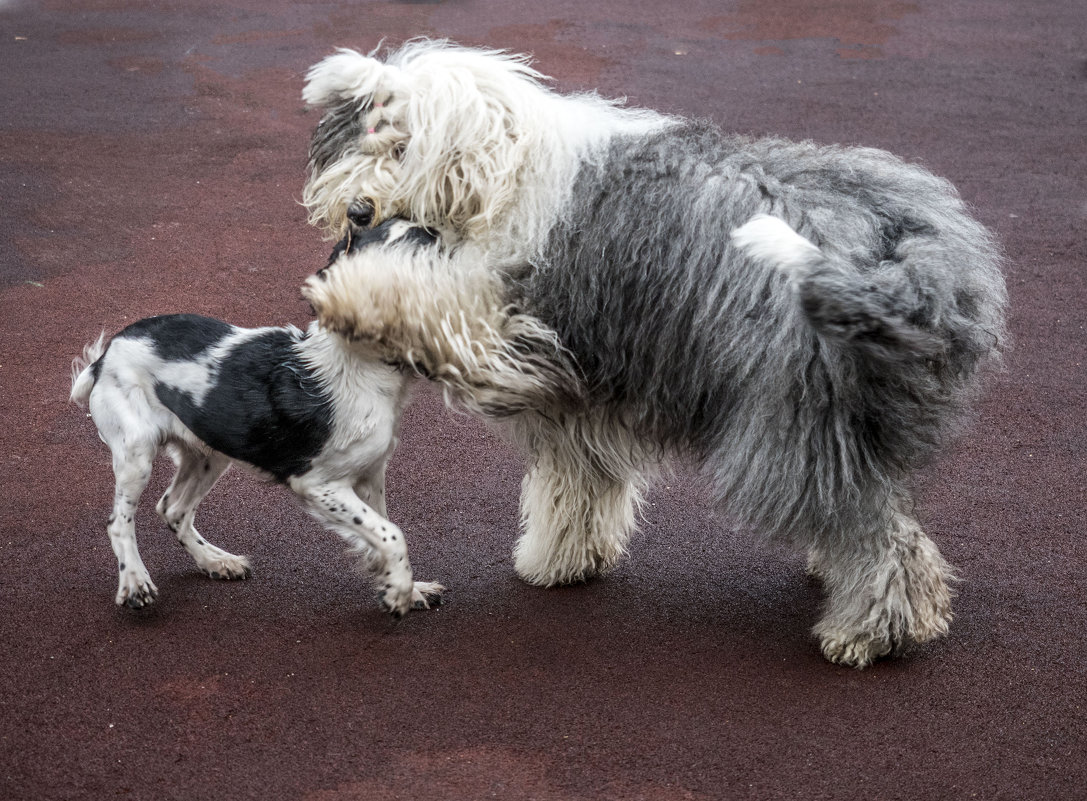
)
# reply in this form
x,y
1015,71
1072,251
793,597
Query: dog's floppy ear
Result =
x,y
348,75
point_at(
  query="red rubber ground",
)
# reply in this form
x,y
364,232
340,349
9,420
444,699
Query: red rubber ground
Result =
x,y
151,160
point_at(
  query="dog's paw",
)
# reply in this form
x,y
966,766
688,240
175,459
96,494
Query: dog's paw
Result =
x,y
213,561
347,310
857,651
136,591
227,568
426,594
395,603
397,597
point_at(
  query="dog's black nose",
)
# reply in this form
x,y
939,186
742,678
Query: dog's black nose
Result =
x,y
360,214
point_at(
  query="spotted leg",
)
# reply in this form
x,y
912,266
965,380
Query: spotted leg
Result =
x,y
371,489
132,469
338,506
196,474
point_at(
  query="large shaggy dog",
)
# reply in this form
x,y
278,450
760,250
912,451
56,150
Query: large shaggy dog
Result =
x,y
808,324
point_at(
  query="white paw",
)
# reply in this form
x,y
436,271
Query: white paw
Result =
x,y
397,592
226,567
857,650
136,590
426,594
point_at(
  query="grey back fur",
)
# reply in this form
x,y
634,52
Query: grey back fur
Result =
x,y
809,404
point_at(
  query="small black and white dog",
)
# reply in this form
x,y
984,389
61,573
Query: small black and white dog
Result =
x,y
310,409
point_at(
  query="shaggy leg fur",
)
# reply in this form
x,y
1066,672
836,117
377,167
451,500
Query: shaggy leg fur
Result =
x,y
444,317
893,592
578,501
196,474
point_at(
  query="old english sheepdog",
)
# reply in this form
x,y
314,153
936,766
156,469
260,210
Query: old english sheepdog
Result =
x,y
309,409
807,323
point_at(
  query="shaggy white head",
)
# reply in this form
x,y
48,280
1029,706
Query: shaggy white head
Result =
x,y
466,141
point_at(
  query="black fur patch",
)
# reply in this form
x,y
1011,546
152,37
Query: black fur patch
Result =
x,y
178,337
266,408
357,238
338,132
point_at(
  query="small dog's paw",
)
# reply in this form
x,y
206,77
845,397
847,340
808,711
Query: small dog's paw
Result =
x,y
228,568
426,594
396,600
348,310
136,592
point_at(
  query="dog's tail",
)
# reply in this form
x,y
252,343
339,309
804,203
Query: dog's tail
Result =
x,y
84,370
870,313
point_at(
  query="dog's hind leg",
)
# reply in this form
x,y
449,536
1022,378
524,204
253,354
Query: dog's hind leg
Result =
x,y
132,462
125,424
337,506
196,473
578,507
883,592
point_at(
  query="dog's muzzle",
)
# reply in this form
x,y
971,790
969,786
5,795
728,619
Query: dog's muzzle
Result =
x,y
360,214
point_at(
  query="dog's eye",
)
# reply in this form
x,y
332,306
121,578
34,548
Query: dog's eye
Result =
x,y
398,151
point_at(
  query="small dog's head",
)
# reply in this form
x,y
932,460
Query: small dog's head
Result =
x,y
360,236
360,283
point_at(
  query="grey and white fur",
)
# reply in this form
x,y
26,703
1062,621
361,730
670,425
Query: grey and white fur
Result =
x,y
308,409
808,324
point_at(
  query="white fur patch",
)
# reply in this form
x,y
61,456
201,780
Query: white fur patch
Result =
x,y
473,144
771,240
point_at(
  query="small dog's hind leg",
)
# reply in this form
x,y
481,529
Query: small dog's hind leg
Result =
x,y
132,468
196,474
882,594
339,508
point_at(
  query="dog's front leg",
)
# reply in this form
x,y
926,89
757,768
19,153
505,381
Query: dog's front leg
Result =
x,y
446,319
579,500
340,509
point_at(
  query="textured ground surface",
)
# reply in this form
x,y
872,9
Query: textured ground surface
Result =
x,y
151,161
